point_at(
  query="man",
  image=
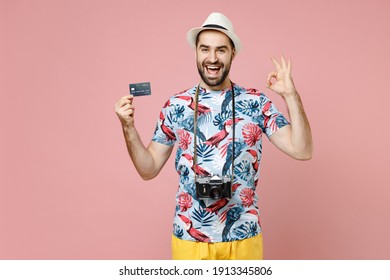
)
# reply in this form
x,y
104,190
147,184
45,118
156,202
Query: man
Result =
x,y
224,123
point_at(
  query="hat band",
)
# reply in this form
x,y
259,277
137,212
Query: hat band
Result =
x,y
214,26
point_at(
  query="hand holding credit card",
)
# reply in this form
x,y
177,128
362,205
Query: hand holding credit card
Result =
x,y
140,89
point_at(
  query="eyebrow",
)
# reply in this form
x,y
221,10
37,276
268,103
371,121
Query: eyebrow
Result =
x,y
218,47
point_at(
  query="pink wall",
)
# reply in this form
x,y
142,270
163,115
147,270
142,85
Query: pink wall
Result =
x,y
67,187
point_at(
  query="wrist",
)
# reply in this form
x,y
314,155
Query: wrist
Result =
x,y
129,131
127,125
291,95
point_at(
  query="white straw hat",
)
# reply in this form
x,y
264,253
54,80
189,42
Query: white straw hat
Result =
x,y
219,22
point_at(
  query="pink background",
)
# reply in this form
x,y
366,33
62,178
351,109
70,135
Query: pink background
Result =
x,y
67,187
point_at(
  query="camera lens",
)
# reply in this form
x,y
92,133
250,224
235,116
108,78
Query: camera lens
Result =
x,y
215,192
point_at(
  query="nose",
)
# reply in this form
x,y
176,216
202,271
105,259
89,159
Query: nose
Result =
x,y
213,57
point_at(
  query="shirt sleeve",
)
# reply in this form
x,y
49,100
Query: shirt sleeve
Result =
x,y
272,119
165,132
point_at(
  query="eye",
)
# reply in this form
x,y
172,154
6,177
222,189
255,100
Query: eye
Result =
x,y
221,51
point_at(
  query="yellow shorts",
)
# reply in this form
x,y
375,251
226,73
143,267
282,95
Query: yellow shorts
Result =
x,y
246,249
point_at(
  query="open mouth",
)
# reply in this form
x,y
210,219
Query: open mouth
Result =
x,y
213,70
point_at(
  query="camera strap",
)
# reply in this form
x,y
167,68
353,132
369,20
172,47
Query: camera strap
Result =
x,y
196,125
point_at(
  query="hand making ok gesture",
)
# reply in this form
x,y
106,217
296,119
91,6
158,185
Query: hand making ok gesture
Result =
x,y
284,84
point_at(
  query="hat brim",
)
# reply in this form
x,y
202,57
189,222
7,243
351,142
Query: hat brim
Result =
x,y
193,33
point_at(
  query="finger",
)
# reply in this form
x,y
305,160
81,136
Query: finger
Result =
x,y
284,65
269,78
126,107
127,113
122,106
272,75
130,113
269,84
128,99
122,101
289,67
276,63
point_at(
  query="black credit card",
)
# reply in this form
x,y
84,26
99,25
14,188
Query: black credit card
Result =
x,y
140,89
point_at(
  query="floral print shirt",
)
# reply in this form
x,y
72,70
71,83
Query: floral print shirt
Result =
x,y
223,220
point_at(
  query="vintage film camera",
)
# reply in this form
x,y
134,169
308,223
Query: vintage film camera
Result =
x,y
213,187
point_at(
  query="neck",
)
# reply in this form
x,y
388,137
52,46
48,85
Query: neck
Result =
x,y
226,83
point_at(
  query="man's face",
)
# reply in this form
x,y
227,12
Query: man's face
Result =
x,y
214,55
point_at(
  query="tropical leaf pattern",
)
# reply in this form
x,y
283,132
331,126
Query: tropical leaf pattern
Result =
x,y
246,230
184,138
177,230
184,200
207,220
203,217
247,197
205,152
221,118
248,107
251,133
243,170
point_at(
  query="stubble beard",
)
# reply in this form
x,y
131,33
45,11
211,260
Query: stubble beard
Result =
x,y
214,81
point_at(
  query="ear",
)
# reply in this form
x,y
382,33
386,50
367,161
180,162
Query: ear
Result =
x,y
233,53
